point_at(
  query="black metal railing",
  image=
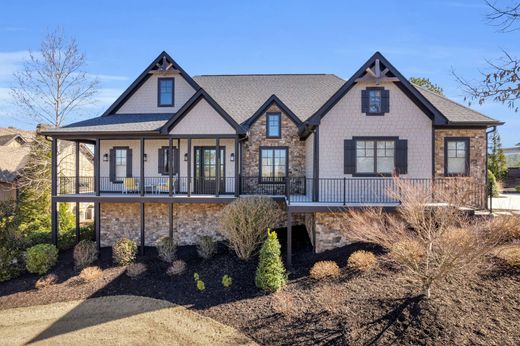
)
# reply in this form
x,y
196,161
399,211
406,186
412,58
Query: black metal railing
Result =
x,y
295,189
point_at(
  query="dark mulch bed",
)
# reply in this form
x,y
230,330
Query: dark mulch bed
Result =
x,y
355,309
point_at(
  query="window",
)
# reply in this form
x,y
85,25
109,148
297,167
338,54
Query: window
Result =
x,y
374,101
273,125
164,162
165,92
273,164
456,156
120,164
375,156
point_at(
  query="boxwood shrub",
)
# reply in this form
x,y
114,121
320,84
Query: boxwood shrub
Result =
x,y
40,258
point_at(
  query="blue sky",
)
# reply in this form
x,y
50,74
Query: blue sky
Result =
x,y
421,38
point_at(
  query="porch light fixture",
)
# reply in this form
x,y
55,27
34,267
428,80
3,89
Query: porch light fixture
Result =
x,y
145,157
105,157
232,157
186,157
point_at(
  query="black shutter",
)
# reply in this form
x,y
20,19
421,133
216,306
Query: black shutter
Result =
x,y
349,161
176,161
385,101
160,160
401,156
128,163
112,165
364,101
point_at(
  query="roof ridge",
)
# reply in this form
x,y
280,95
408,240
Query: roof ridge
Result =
x,y
265,74
452,101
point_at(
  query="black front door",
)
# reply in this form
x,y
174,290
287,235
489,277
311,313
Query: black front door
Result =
x,y
205,168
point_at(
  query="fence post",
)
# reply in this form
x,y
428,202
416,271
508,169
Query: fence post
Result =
x,y
287,193
344,191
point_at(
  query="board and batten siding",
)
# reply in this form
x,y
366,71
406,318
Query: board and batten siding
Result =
x,y
202,119
405,120
144,100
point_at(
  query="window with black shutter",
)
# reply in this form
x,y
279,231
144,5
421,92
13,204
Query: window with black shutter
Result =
x,y
120,164
164,161
375,156
375,101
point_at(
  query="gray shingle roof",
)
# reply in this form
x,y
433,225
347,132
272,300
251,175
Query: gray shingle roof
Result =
x,y
241,95
453,111
117,123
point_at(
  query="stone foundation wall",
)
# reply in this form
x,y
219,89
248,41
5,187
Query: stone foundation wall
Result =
x,y
329,233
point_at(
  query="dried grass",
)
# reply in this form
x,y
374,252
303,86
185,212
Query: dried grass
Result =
x,y
90,274
363,261
46,281
177,268
323,270
510,255
135,270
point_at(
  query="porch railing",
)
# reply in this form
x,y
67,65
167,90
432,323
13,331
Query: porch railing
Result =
x,y
342,191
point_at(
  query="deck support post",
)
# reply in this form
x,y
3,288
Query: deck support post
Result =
x,y
142,229
237,173
77,192
141,180
97,224
289,240
54,191
170,166
97,170
316,166
170,220
189,167
217,158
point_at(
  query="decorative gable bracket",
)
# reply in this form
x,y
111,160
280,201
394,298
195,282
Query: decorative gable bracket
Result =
x,y
374,74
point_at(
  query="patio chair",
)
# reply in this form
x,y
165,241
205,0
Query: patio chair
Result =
x,y
165,187
130,185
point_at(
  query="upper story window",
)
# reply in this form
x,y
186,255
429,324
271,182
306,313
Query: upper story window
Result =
x,y
456,154
273,164
375,101
165,92
273,125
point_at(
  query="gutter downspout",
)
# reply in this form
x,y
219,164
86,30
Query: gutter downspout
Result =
x,y
489,197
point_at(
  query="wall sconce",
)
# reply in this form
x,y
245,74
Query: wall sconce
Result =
x,y
145,157
186,157
105,157
232,157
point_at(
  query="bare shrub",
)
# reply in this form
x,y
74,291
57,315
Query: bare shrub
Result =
x,y
510,255
245,221
85,253
431,237
135,270
124,251
90,274
177,268
507,227
46,281
167,249
363,261
207,247
324,270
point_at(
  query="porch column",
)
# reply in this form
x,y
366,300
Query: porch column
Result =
x,y
289,240
217,152
316,166
77,192
237,173
54,191
97,170
142,229
170,220
141,180
97,224
189,167
170,166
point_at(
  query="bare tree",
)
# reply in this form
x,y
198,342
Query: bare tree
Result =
x,y
501,81
52,84
432,241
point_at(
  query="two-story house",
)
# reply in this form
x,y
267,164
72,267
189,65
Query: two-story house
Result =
x,y
173,149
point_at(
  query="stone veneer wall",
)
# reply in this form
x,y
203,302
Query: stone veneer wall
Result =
x,y
289,138
329,233
190,221
477,150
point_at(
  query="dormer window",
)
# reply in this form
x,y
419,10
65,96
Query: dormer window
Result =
x,y
375,101
165,92
273,125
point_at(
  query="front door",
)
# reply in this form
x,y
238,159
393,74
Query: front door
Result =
x,y
205,168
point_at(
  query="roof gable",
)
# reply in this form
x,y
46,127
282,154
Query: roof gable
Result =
x,y
273,99
386,67
192,102
163,61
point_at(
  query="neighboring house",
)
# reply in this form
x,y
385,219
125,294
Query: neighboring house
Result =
x,y
14,152
174,149
513,156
